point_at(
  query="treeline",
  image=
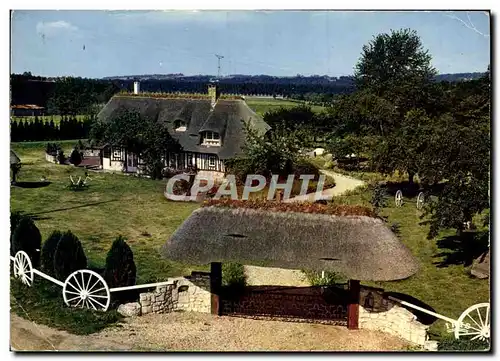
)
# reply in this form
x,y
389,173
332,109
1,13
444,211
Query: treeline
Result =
x,y
61,96
37,130
291,90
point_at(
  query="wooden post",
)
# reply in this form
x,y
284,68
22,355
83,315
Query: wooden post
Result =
x,y
353,306
215,287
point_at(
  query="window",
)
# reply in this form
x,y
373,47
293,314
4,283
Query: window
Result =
x,y
117,154
211,161
210,138
180,125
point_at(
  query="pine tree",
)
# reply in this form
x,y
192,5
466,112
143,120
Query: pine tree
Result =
x,y
69,256
48,252
120,266
27,238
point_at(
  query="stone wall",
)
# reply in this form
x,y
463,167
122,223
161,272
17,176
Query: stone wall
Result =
x,y
390,317
51,158
191,293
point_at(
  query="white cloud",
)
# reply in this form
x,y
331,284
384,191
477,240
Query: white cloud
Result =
x,y
55,27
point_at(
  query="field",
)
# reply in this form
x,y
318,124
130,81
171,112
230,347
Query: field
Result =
x,y
46,118
263,105
136,208
114,204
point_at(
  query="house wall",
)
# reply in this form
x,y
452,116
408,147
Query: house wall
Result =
x,y
190,159
112,165
190,293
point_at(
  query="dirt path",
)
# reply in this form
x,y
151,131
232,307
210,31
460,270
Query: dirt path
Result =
x,y
342,184
192,331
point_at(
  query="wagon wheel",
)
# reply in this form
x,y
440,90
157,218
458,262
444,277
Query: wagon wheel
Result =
x,y
420,200
398,199
84,288
23,268
474,323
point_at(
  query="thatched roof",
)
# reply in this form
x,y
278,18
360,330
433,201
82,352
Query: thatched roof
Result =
x,y
358,247
226,119
14,158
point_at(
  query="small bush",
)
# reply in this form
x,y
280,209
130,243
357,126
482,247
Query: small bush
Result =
x,y
27,238
378,200
75,157
15,217
48,252
452,344
233,275
60,157
330,279
69,256
52,148
120,268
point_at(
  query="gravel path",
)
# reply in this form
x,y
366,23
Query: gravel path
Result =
x,y
342,184
191,331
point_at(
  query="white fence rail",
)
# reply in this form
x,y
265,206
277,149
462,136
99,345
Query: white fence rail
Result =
x,y
82,288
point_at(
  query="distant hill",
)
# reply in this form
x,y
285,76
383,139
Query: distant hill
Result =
x,y
459,76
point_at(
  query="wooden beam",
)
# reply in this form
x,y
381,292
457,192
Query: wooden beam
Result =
x,y
215,287
353,306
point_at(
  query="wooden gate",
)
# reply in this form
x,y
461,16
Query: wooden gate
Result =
x,y
302,304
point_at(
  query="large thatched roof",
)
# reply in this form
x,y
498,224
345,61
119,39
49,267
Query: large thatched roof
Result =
x,y
14,158
358,247
225,119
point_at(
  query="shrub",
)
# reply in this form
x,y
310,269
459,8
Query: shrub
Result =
x,y
15,217
120,268
378,200
48,252
330,279
60,157
452,344
233,275
27,238
69,256
75,157
52,148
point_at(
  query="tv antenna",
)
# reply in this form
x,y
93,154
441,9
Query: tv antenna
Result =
x,y
219,57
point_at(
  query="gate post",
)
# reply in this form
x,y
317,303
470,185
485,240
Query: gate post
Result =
x,y
215,287
353,306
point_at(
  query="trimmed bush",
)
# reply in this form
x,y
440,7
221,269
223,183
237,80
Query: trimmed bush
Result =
x,y
27,238
48,252
75,157
60,157
69,256
120,268
15,217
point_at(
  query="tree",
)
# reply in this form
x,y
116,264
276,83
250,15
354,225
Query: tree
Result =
x,y
139,134
69,256
27,238
120,268
394,64
75,157
48,252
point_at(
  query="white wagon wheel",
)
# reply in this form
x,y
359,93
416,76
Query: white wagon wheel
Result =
x,y
474,323
420,200
85,288
398,199
23,268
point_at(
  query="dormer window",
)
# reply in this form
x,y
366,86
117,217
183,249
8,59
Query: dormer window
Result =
x,y
180,125
210,139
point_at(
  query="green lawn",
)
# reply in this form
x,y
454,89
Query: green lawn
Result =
x,y
46,118
114,204
450,290
263,105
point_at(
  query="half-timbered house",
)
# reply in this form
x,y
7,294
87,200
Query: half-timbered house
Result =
x,y
209,129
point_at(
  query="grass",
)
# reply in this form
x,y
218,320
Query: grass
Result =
x,y
43,303
114,204
45,118
263,105
450,290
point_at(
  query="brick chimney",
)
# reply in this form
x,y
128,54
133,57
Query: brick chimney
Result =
x,y
213,93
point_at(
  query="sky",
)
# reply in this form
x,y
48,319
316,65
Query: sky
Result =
x,y
282,43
